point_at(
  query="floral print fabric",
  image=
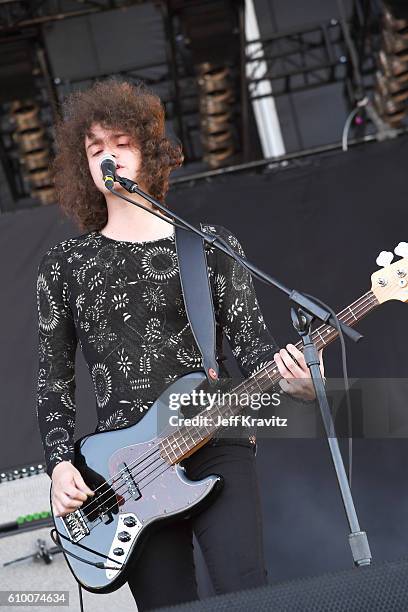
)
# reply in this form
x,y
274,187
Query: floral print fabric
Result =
x,y
122,303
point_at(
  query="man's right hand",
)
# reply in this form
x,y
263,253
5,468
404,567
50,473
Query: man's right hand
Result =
x,y
69,490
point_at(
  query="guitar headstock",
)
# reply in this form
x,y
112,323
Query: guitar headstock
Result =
x,y
391,282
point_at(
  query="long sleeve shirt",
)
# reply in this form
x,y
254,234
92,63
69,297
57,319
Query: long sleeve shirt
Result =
x,y
122,302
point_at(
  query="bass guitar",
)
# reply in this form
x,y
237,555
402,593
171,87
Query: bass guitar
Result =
x,y
136,472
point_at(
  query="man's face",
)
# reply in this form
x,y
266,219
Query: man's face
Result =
x,y
99,142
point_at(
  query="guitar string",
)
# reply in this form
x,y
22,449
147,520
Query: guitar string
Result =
x,y
143,460
362,299
264,377
140,489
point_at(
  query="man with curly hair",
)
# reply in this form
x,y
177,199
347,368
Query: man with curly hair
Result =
x,y
116,290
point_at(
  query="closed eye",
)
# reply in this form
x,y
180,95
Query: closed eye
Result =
x,y
96,153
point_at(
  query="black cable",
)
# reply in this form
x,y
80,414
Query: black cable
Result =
x,y
99,565
358,81
81,604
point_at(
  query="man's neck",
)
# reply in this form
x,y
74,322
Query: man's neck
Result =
x,y
132,223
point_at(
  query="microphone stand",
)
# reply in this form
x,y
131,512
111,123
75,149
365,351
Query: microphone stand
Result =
x,y
303,312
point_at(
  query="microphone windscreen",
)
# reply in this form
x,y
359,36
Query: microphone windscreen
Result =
x,y
108,165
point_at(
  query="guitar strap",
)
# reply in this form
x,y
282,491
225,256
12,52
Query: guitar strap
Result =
x,y
196,290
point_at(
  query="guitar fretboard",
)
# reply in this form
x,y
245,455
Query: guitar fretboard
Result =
x,y
186,440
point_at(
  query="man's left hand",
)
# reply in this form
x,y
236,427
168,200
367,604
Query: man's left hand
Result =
x,y
296,379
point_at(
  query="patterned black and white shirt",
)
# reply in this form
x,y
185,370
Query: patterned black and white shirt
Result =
x,y
122,302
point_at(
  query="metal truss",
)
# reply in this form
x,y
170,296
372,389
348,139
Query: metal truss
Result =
x,y
300,59
18,14
296,60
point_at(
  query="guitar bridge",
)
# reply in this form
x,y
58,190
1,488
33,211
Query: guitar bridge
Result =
x,y
128,479
75,525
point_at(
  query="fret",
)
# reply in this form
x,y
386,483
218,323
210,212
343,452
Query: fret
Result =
x,y
175,444
178,453
352,314
174,451
255,380
251,388
165,450
183,440
216,409
275,372
228,412
267,372
263,380
191,430
187,444
191,434
176,448
207,431
321,337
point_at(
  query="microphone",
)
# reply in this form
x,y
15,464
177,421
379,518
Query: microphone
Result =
x,y
108,168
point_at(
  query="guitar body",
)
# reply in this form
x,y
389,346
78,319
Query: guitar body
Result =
x,y
146,490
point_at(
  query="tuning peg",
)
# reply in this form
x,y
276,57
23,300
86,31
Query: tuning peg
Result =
x,y
384,258
401,249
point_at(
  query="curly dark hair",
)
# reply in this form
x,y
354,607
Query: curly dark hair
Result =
x,y
114,104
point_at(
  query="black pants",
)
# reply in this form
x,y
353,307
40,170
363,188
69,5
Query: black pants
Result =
x,y
229,532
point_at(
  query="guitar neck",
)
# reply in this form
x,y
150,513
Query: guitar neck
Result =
x,y
187,440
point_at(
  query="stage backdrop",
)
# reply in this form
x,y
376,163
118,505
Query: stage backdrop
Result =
x,y
317,226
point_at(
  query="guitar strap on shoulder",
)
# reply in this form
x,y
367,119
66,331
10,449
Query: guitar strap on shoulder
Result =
x,y
195,286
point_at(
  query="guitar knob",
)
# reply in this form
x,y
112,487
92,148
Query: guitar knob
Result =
x,y
384,259
129,521
118,552
124,536
401,249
